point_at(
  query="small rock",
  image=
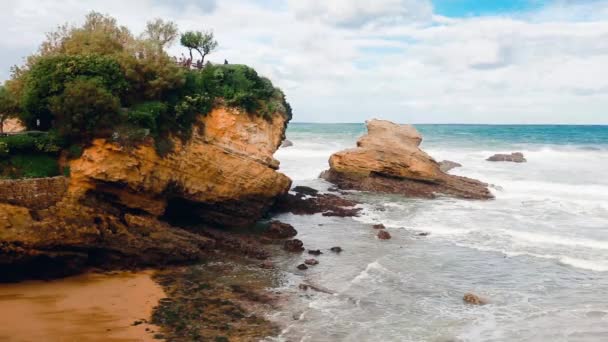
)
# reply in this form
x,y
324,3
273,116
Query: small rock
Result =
x,y
311,262
447,165
424,234
379,226
302,267
474,299
294,245
305,190
280,230
384,235
267,265
287,143
515,157
315,252
336,249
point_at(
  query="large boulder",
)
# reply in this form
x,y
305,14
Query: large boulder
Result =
x,y
388,159
120,204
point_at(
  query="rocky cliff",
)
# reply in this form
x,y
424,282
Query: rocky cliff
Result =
x,y
388,159
120,201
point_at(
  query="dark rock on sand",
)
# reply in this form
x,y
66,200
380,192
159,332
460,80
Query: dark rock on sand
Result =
x,y
447,165
315,252
308,201
311,262
389,160
474,299
294,245
515,157
384,235
302,267
336,249
280,230
379,226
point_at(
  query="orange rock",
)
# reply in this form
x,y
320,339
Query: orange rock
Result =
x,y
388,159
474,299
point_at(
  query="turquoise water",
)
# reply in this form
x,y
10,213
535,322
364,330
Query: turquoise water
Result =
x,y
539,251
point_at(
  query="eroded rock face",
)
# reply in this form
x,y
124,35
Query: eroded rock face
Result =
x,y
118,200
388,159
13,125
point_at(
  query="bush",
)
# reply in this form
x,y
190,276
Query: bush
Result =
x,y
4,150
31,143
50,75
147,115
85,108
29,166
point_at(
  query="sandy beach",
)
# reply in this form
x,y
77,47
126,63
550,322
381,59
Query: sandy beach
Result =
x,y
90,307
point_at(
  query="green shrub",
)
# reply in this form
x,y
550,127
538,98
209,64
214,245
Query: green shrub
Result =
x,y
147,115
32,143
29,166
50,75
4,150
75,151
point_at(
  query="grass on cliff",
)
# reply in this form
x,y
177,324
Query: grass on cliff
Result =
x,y
29,166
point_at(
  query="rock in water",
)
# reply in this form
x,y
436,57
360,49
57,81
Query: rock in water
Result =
x,y
447,165
389,160
336,249
379,226
311,262
294,245
474,299
302,267
315,252
286,143
280,230
515,157
384,235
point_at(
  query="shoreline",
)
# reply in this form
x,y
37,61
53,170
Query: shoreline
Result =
x,y
86,307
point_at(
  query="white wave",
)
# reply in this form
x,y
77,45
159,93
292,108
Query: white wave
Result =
x,y
543,239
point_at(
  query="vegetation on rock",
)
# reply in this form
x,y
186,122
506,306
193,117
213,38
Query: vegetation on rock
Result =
x,y
100,81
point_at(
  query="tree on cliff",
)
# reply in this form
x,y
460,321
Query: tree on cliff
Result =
x,y
162,33
203,42
9,107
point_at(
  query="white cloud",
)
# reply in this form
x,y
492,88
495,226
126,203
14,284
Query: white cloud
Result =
x,y
349,60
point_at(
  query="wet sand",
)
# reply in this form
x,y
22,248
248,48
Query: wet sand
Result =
x,y
90,307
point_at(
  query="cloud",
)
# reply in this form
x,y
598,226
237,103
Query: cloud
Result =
x,y
346,61
357,13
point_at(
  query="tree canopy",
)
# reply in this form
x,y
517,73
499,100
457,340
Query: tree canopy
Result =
x,y
98,79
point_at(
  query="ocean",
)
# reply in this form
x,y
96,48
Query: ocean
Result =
x,y
538,252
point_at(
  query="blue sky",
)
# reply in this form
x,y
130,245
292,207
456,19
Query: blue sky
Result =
x,y
461,8
414,61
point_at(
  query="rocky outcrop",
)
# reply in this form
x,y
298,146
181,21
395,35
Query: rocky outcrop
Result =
x,y
515,157
308,201
448,165
388,159
286,143
120,202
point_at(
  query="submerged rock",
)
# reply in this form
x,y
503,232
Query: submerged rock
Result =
x,y
389,160
302,267
336,249
515,157
280,230
384,235
294,245
447,165
379,226
474,299
121,202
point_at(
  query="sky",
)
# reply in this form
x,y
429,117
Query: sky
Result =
x,y
410,61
